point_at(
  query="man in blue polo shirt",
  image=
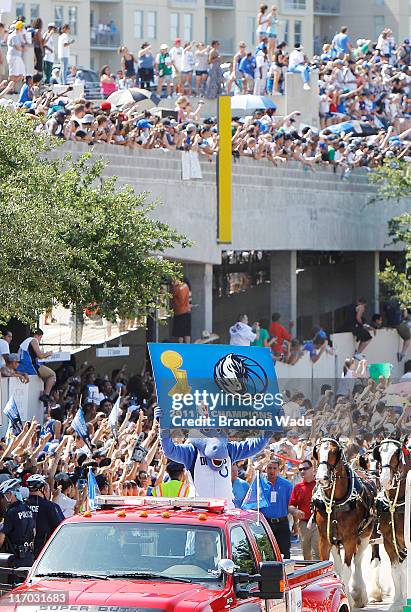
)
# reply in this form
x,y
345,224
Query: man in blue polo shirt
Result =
x,y
240,486
277,491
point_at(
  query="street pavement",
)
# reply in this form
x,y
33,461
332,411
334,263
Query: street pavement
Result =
x,y
385,577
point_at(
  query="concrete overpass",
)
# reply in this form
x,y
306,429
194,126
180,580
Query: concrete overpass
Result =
x,y
285,210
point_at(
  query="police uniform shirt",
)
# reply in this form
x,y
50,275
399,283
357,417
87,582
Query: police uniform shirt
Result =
x,y
278,497
47,516
19,525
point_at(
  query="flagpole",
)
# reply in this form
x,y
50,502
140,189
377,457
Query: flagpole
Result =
x,y
258,496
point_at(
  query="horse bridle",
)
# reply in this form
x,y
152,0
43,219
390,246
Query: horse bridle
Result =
x,y
340,455
401,448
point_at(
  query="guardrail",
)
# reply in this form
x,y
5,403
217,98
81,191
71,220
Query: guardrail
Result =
x,y
104,40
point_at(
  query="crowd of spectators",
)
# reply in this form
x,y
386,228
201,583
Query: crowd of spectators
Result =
x,y
364,96
364,412
289,350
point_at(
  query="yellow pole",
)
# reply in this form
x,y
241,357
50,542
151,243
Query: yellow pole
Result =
x,y
224,170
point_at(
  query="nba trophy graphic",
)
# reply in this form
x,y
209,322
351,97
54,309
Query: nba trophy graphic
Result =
x,y
173,361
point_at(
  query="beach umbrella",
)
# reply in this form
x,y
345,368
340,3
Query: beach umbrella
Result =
x,y
146,99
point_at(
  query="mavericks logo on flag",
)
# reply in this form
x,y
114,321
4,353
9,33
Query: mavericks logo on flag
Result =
x,y
216,387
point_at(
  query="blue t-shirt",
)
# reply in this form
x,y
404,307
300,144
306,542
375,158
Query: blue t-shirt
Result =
x,y
277,496
309,346
246,65
26,94
340,42
240,489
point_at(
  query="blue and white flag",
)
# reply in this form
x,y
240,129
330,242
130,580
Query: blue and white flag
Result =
x,y
12,413
114,417
80,426
92,490
255,498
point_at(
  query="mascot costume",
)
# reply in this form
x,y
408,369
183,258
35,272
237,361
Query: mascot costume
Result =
x,y
209,460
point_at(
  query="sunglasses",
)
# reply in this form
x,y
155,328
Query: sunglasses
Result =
x,y
303,469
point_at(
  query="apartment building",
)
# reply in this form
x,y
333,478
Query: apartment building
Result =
x,y
101,26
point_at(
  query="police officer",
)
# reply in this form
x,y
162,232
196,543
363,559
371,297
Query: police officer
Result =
x,y
19,525
47,514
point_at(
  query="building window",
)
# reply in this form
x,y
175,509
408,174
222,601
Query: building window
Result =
x,y
58,16
380,2
379,25
251,28
188,27
72,19
20,9
174,25
34,11
152,24
298,32
295,5
286,23
138,24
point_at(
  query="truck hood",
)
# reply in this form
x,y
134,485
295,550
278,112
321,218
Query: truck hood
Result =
x,y
119,595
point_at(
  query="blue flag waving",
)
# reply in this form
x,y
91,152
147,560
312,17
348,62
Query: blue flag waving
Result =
x,y
114,416
80,426
12,413
92,490
255,498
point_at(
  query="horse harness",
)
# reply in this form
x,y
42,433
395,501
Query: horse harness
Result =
x,y
358,491
385,505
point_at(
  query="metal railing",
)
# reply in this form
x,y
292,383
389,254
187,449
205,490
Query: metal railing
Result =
x,y
182,3
327,7
294,5
219,4
103,39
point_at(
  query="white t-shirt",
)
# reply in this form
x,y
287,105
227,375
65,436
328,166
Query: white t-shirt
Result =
x,y
4,350
62,50
176,55
241,335
187,64
296,58
66,504
49,52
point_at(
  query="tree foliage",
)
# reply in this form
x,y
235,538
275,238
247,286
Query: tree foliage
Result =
x,y
394,182
68,234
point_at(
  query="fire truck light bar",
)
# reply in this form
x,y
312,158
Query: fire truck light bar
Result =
x,y
214,505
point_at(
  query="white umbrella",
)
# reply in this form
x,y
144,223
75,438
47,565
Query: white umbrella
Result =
x,y
249,102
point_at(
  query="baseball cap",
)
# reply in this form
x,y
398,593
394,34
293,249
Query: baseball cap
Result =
x,y
406,41
51,25
105,105
163,47
177,40
12,357
19,25
87,119
293,434
143,124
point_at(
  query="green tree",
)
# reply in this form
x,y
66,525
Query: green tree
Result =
x,y
68,234
394,182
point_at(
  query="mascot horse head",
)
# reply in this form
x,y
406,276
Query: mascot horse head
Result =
x,y
214,450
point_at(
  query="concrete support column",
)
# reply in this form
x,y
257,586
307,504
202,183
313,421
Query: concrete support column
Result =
x,y
367,285
201,281
283,288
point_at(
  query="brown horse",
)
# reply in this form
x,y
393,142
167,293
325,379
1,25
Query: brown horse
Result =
x,y
394,459
343,505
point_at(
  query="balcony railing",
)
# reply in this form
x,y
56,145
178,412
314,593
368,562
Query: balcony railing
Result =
x,y
294,5
101,39
182,3
219,4
327,7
